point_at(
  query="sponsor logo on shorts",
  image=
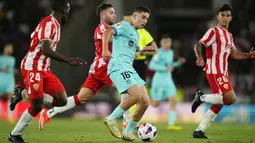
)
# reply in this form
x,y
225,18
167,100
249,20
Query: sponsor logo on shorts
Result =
x,y
225,86
36,86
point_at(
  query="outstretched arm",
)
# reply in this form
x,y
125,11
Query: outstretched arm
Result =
x,y
241,56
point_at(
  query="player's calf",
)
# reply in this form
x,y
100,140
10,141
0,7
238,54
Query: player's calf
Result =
x,y
61,99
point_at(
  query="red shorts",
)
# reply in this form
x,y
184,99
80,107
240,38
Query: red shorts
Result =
x,y
219,83
96,80
39,82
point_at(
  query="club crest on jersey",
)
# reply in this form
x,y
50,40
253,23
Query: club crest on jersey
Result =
x,y
131,44
225,86
36,86
118,25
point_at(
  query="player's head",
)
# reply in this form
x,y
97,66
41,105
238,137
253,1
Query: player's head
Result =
x,y
8,49
140,17
62,7
128,16
165,41
224,15
106,13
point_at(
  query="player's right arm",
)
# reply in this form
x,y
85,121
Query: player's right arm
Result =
x,y
46,35
206,41
107,35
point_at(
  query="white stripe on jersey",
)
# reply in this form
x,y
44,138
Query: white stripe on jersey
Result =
x,y
208,63
40,62
213,63
47,31
222,50
30,58
47,64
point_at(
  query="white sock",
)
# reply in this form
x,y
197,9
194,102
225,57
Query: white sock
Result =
x,y
47,101
126,115
24,121
207,120
212,98
10,113
24,94
70,104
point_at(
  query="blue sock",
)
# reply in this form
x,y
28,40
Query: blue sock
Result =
x,y
130,127
171,118
117,113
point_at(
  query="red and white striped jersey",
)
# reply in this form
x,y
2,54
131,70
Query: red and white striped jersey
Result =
x,y
218,42
47,29
99,62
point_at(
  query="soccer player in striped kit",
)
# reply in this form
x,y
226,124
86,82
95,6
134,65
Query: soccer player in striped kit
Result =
x,y
219,45
35,67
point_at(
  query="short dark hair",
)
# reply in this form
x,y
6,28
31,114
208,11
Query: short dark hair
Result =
x,y
58,5
225,7
165,36
102,7
128,14
142,9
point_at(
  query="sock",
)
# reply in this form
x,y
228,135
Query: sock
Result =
x,y
126,114
207,120
24,121
212,98
24,94
70,104
10,113
48,101
130,127
117,113
171,118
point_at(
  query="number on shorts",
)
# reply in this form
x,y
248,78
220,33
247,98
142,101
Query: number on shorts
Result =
x,y
125,75
222,79
34,77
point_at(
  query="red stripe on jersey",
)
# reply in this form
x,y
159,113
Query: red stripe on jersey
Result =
x,y
225,54
209,37
218,50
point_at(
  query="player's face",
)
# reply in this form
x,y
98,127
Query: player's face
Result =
x,y
166,43
8,49
109,16
65,12
224,18
140,19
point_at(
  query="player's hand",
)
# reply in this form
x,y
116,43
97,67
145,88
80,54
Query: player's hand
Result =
x,y
76,62
149,50
200,62
252,53
170,68
107,55
182,60
4,69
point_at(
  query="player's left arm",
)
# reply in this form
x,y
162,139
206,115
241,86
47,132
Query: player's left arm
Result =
x,y
241,56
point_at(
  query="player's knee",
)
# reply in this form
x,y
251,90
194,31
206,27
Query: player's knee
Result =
x,y
63,102
155,103
85,95
232,100
36,108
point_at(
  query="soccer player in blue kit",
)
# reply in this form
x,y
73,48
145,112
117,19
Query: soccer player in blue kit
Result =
x,y
121,71
163,65
7,80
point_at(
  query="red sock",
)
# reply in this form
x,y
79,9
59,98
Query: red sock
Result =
x,y
76,100
32,112
216,108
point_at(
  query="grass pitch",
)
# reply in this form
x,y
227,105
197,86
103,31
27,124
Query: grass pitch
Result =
x,y
94,131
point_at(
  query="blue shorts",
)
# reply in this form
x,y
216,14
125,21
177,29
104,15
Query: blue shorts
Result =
x,y
124,79
159,94
6,87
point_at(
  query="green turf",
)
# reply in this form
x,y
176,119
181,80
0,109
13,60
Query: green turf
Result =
x,y
93,131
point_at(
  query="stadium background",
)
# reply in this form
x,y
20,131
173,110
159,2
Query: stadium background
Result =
x,y
184,20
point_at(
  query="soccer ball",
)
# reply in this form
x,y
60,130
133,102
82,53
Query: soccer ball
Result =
x,y
147,132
